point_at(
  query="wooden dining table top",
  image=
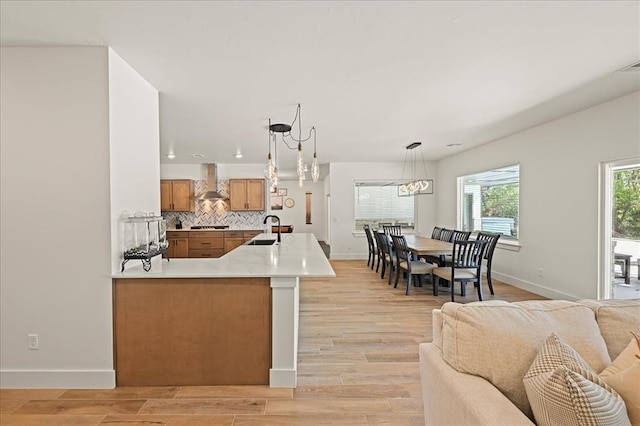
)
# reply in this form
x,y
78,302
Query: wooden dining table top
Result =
x,y
425,245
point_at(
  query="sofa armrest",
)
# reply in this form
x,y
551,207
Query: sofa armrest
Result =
x,y
454,398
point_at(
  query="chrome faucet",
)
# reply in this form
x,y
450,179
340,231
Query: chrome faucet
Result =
x,y
276,217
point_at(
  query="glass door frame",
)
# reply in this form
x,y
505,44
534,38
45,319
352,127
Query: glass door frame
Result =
x,y
605,232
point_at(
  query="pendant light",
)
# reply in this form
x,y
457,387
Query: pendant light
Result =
x,y
292,142
415,185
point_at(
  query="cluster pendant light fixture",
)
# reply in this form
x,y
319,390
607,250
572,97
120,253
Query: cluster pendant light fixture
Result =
x,y
291,142
414,185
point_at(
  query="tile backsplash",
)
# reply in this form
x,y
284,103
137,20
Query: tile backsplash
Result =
x,y
215,212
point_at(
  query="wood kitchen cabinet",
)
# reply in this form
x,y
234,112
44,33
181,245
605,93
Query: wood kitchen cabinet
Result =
x,y
206,244
178,245
232,239
177,195
246,194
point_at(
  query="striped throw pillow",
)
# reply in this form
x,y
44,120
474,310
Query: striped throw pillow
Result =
x,y
563,390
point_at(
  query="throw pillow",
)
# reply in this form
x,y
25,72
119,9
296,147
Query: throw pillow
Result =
x,y
623,375
626,358
563,390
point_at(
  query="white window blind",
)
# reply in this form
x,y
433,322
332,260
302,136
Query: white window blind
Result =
x,y
378,202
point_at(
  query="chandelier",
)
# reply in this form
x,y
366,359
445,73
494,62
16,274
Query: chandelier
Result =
x,y
414,185
293,143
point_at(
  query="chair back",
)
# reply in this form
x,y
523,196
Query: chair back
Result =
x,y
367,231
436,233
392,229
446,234
460,235
468,254
492,242
400,247
383,242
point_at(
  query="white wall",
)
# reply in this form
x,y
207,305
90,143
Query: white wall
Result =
x,y
135,152
559,163
346,245
55,218
296,215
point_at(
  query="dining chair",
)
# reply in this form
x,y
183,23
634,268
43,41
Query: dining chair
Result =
x,y
392,229
371,260
435,235
385,253
407,263
492,242
446,234
453,235
466,266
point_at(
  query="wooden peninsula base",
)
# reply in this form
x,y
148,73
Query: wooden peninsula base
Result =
x,y
192,331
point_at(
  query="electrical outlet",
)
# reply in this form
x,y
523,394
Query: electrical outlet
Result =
x,y
33,343
540,272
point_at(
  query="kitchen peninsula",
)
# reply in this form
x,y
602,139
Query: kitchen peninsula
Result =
x,y
226,321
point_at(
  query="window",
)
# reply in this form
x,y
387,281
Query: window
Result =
x,y
377,203
490,201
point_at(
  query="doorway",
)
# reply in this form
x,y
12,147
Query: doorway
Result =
x,y
619,250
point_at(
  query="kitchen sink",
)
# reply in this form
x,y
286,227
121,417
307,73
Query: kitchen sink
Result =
x,y
261,242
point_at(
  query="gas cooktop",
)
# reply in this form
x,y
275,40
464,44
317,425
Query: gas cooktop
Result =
x,y
211,227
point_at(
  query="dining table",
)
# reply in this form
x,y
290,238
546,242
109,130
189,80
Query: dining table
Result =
x,y
423,246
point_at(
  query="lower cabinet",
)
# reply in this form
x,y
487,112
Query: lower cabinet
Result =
x,y
232,239
178,245
206,244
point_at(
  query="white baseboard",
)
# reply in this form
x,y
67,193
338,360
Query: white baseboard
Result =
x,y
57,379
282,378
533,287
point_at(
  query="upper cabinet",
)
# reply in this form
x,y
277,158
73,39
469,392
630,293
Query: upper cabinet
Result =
x,y
246,194
177,195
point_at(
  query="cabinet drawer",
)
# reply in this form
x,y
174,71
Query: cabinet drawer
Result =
x,y
206,234
206,243
233,234
214,252
251,234
177,235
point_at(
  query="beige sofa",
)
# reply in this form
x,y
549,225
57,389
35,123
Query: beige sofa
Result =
x,y
472,371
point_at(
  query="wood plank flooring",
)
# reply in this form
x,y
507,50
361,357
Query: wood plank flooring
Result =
x,y
358,365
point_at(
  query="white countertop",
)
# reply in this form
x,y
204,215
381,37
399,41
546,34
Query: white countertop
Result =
x,y
298,255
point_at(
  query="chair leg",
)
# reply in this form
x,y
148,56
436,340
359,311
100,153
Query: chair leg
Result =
x,y
369,259
435,280
452,287
489,281
392,270
479,284
378,263
395,285
409,280
384,268
463,288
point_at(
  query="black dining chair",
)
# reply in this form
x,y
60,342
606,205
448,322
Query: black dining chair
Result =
x,y
446,234
386,256
392,229
435,235
407,263
466,266
492,242
373,249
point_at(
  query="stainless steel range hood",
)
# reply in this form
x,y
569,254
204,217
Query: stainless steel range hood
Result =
x,y
212,185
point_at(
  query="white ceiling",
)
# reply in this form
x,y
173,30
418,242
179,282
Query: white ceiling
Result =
x,y
372,77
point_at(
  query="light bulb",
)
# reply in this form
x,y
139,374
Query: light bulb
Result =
x,y
300,181
315,169
270,171
275,176
300,161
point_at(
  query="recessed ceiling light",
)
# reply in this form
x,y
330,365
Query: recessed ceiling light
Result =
x,y
452,145
238,154
171,156
197,155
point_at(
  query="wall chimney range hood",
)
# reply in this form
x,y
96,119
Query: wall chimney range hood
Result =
x,y
212,185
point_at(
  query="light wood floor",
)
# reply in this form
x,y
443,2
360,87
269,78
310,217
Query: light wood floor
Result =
x,y
358,365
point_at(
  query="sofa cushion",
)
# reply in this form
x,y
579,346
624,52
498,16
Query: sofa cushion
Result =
x,y
626,358
616,319
436,317
564,390
498,340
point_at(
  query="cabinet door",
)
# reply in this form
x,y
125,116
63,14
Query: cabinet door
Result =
x,y
181,248
255,194
237,194
182,197
231,243
166,199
